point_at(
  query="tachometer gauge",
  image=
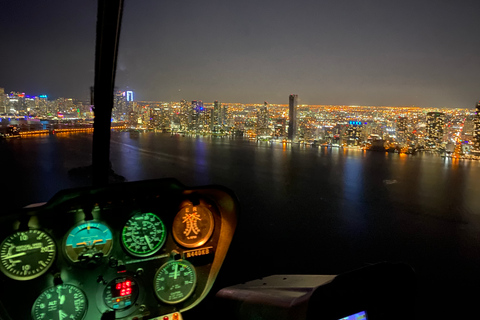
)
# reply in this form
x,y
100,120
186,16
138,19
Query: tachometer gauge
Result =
x,y
64,301
143,234
193,226
175,281
27,254
90,240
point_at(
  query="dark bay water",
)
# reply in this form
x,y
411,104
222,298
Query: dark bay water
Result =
x,y
304,209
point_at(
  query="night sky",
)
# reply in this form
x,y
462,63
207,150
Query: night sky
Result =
x,y
348,52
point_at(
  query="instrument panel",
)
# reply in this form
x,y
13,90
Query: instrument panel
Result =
x,y
137,250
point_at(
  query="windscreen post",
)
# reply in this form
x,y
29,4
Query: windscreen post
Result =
x,y
109,18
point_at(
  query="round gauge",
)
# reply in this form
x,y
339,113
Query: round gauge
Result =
x,y
26,255
175,281
121,293
193,226
88,241
64,301
143,234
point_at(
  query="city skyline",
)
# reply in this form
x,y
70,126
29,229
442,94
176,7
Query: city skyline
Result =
x,y
285,103
333,53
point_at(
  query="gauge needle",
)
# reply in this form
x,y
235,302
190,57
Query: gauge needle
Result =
x,y
148,242
62,299
176,270
15,255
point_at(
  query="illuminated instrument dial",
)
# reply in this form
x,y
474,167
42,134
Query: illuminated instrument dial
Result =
x,y
88,241
26,255
121,293
61,302
143,234
175,281
193,226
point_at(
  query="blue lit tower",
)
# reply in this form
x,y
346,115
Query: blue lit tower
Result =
x,y
292,114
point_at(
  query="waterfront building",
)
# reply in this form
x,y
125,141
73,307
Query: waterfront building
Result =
x,y
217,116
196,116
434,129
353,133
292,114
280,127
3,100
476,130
263,121
401,129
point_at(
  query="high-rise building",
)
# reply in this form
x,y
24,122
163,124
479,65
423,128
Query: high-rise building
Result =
x,y
353,133
401,128
434,129
263,121
476,130
196,116
216,117
3,100
292,113
184,115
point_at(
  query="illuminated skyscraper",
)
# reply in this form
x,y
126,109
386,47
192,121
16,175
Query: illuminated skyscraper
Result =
x,y
476,130
292,113
184,115
434,129
353,133
263,121
196,116
3,99
401,128
216,117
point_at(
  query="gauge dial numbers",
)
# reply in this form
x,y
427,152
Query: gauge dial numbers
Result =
x,y
193,226
90,240
121,293
61,302
143,234
175,281
26,255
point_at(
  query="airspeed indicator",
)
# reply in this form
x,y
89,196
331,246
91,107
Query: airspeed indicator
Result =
x,y
143,234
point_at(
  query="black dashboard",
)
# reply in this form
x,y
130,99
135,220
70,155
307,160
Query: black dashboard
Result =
x,y
137,250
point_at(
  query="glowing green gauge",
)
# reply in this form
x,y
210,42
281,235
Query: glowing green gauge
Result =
x,y
143,234
89,241
175,281
27,254
64,301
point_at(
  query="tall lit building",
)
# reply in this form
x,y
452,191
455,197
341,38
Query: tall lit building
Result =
x,y
262,121
434,129
292,113
196,116
3,100
353,133
401,128
216,117
476,130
